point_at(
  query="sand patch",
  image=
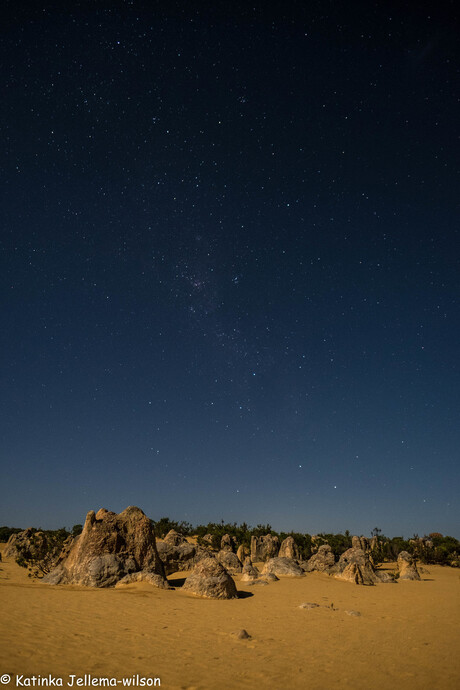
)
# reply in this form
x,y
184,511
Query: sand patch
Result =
x,y
405,633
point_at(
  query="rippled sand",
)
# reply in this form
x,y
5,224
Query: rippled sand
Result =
x,y
406,636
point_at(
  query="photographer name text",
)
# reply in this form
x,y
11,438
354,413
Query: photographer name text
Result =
x,y
86,681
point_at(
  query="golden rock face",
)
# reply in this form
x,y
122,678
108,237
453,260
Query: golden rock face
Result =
x,y
110,547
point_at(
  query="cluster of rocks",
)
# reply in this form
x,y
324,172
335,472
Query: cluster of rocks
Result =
x,y
323,560
263,548
355,565
121,549
38,550
30,543
177,553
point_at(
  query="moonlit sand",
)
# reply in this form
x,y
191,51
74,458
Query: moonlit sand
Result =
x,y
406,634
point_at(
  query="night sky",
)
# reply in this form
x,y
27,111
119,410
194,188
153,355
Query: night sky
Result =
x,y
230,263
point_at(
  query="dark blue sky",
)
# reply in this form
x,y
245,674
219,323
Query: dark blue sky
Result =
x,y
229,263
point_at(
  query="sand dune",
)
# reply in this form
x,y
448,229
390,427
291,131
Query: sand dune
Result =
x,y
406,634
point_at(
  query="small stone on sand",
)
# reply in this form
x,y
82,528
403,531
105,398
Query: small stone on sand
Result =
x,y
308,605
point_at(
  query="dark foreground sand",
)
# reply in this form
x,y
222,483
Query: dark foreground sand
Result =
x,y
406,636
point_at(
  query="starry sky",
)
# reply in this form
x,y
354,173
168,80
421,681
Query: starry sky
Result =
x,y
229,263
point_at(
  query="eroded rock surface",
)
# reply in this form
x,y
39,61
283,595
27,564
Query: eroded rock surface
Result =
x,y
11,550
174,538
250,572
182,556
322,560
360,543
407,567
263,548
110,546
228,543
355,566
230,561
242,552
289,549
283,566
210,579
28,542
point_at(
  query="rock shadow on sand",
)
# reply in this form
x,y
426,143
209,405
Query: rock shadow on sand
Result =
x,y
244,595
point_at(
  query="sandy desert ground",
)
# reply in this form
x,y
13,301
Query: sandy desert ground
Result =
x,y
406,636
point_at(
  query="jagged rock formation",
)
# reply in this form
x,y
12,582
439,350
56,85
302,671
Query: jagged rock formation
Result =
x,y
174,538
354,573
242,552
10,549
375,544
283,566
322,561
360,543
250,572
356,566
314,540
289,549
22,542
178,557
230,561
64,552
364,571
407,567
210,579
39,551
228,543
109,547
263,548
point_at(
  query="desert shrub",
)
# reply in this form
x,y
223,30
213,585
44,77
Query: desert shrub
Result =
x,y
339,543
445,551
164,525
6,532
76,530
242,533
213,542
393,547
262,530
